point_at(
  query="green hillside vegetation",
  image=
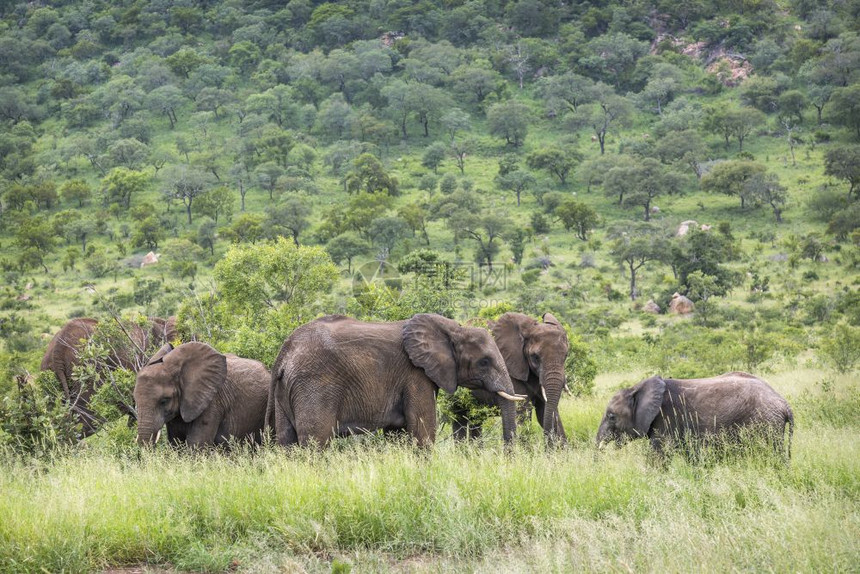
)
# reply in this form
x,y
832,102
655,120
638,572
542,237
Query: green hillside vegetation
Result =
x,y
381,159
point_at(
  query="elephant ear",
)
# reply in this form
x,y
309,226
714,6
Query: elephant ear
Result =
x,y
647,397
510,332
427,341
202,371
550,319
159,355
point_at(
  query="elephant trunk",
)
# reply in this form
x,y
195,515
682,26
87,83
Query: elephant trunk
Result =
x,y
552,381
148,432
509,420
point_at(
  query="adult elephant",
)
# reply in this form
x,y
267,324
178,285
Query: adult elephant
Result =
x,y
204,397
534,353
681,410
337,376
127,351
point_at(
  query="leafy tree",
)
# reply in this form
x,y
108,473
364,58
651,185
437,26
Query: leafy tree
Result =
x,y
700,288
181,257
706,252
35,237
460,149
845,107
517,181
387,230
792,104
613,58
509,120
121,183
76,227
765,188
685,147
577,216
663,85
434,154
607,111
166,100
415,215
733,122
215,203
634,246
558,162
347,246
639,181
455,121
840,349
266,175
368,175
187,184
486,229
207,234
215,100
252,279
565,92
247,228
730,177
427,104
148,233
76,190
288,218
184,61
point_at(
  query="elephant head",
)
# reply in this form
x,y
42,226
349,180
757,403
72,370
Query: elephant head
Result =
x,y
176,382
631,412
536,349
452,355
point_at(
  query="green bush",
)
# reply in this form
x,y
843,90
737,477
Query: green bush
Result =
x,y
34,418
840,349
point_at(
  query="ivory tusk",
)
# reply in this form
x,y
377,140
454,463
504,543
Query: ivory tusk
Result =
x,y
157,436
505,395
543,394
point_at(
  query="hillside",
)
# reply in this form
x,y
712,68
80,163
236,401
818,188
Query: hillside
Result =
x,y
592,159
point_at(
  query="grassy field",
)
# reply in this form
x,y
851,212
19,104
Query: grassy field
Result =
x,y
375,506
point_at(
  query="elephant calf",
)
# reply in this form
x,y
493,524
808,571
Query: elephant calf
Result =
x,y
666,410
203,396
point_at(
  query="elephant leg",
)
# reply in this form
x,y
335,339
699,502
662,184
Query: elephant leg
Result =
x,y
420,411
285,432
460,425
203,431
318,430
560,437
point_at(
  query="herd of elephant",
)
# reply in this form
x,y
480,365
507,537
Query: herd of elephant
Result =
x,y
336,376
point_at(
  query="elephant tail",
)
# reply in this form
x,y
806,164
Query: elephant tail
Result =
x,y
789,419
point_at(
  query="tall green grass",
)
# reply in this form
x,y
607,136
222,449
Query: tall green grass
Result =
x,y
380,505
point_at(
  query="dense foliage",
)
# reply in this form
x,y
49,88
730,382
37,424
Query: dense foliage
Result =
x,y
375,158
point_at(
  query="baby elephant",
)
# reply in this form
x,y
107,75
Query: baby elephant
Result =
x,y
667,410
203,396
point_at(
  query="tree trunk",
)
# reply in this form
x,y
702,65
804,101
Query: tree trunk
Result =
x,y
632,282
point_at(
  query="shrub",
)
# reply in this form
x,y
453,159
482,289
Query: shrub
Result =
x,y
34,419
840,350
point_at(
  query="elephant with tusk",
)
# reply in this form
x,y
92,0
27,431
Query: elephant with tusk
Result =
x,y
337,376
534,353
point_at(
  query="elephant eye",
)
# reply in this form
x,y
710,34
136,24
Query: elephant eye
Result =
x,y
164,401
611,417
484,363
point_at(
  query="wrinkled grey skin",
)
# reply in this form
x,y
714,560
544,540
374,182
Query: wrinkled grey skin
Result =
x,y
62,355
337,376
534,353
674,410
204,397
